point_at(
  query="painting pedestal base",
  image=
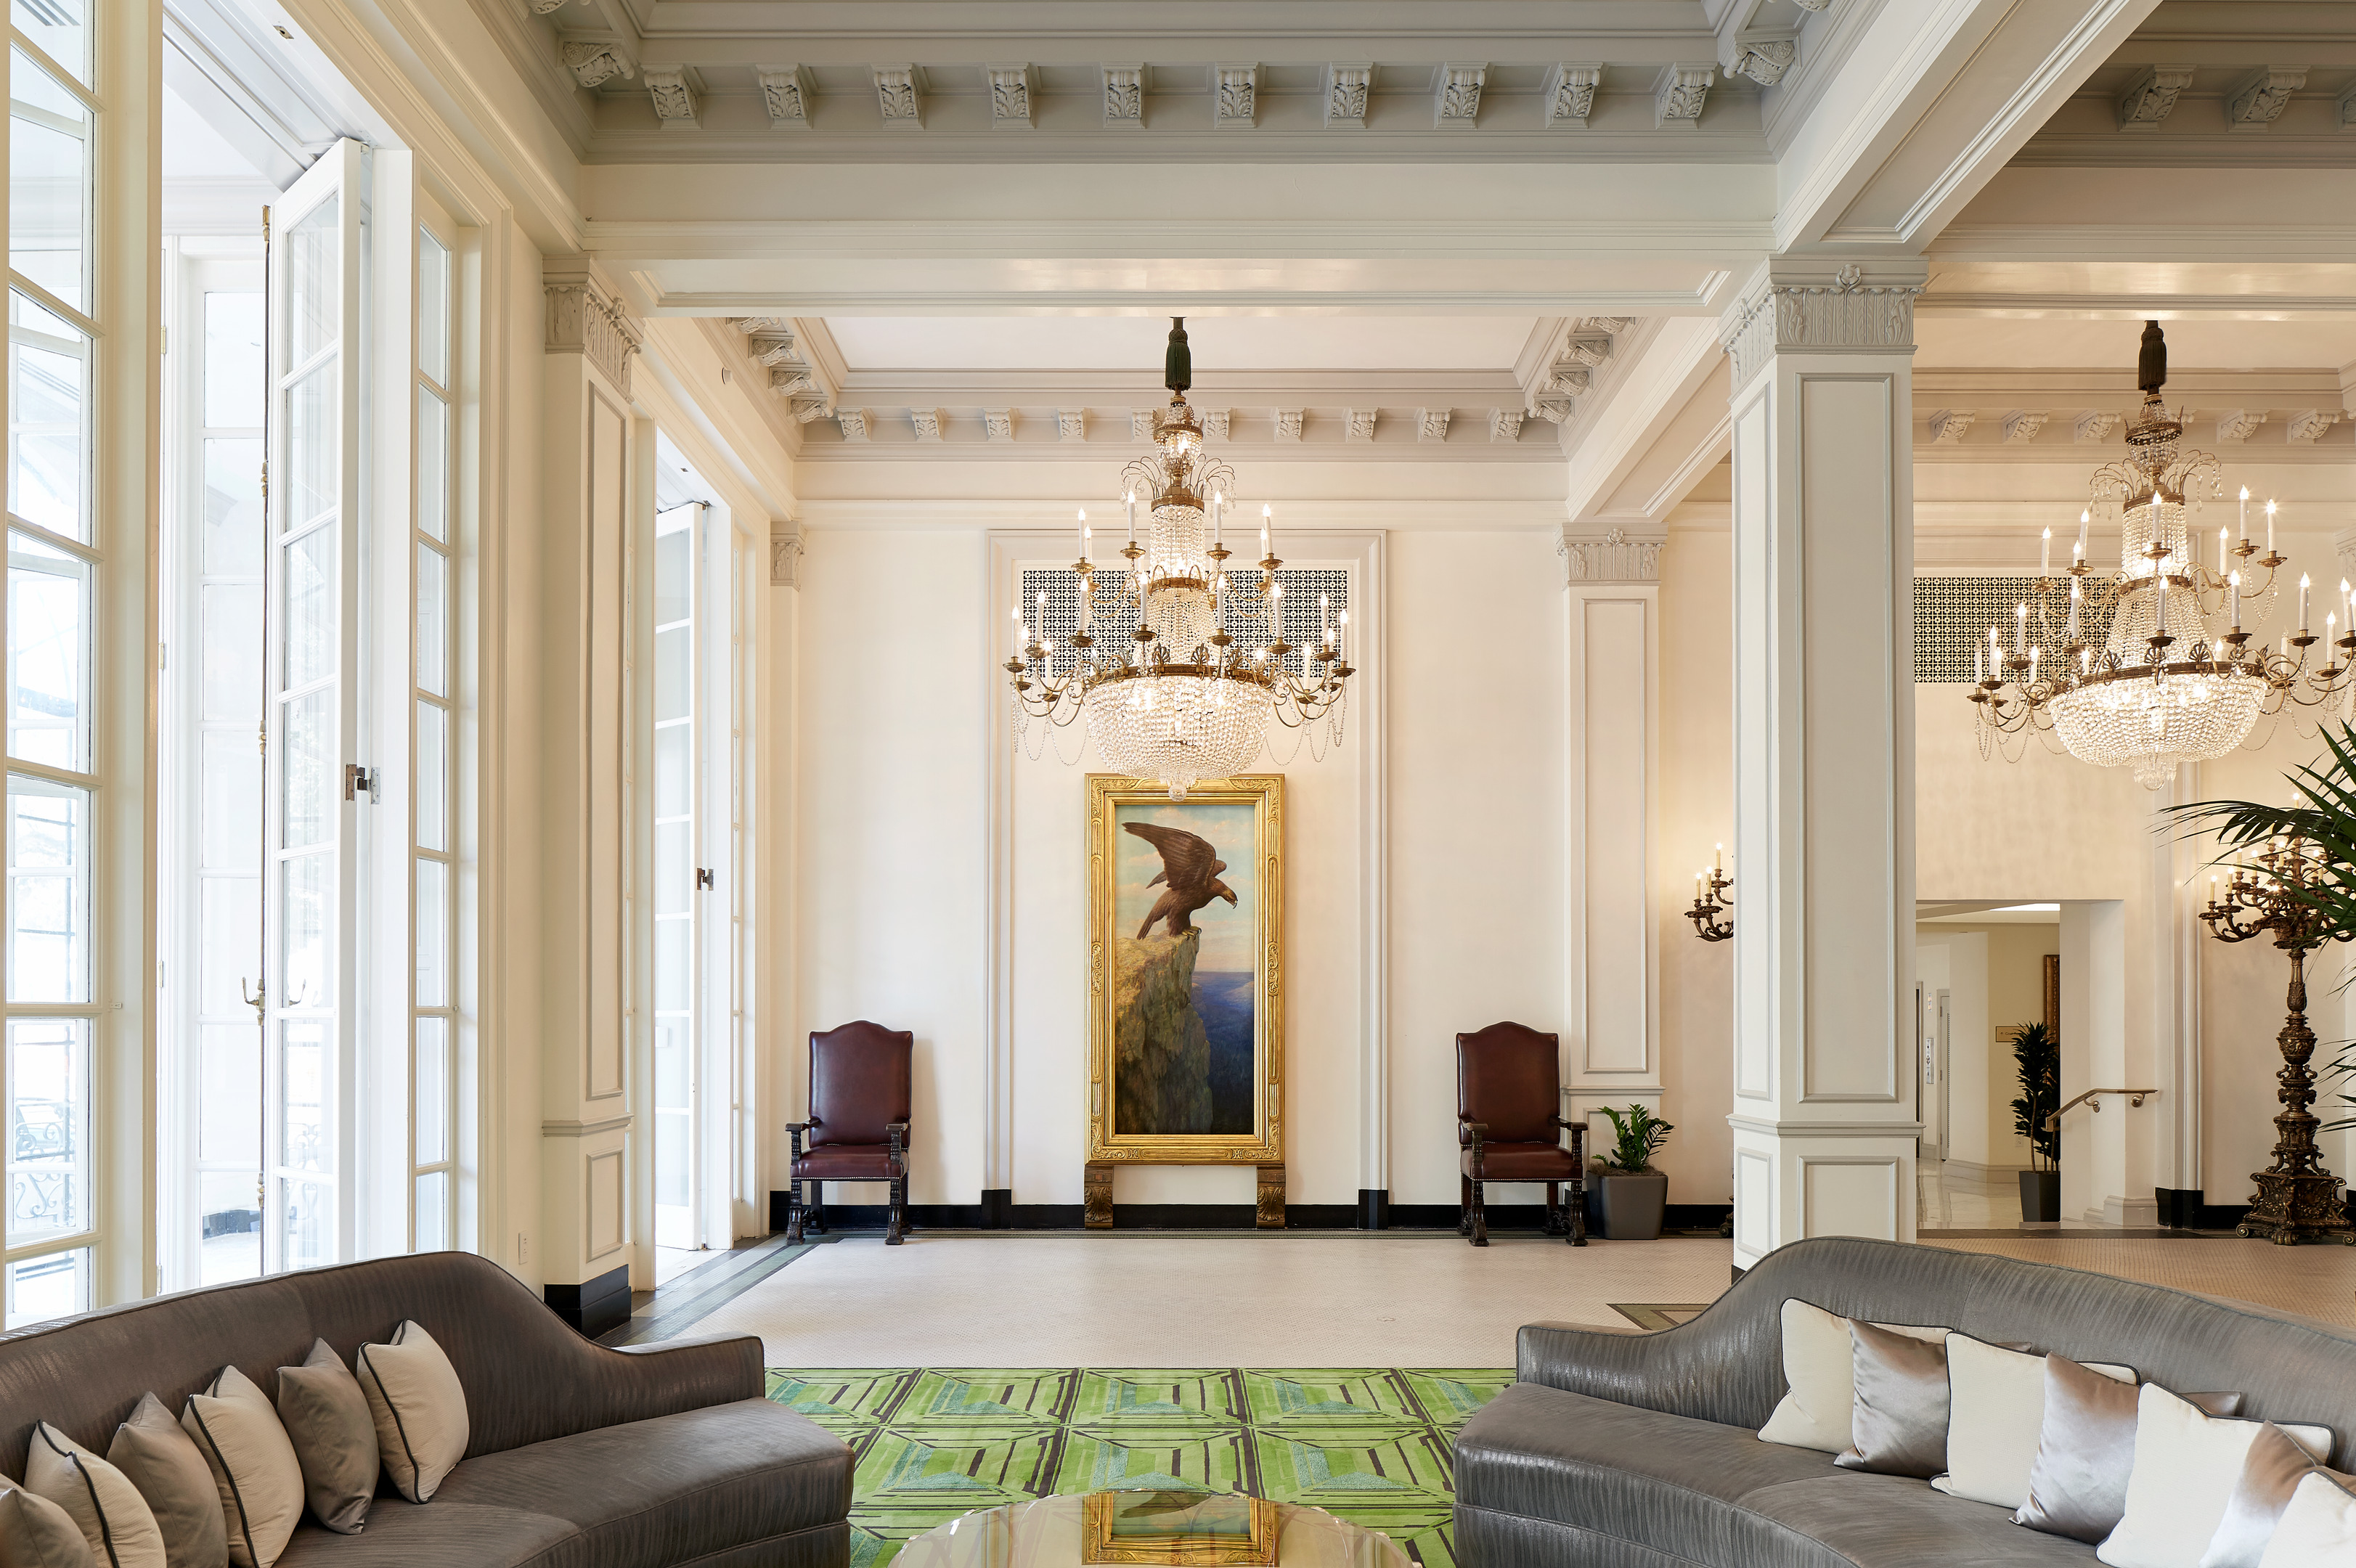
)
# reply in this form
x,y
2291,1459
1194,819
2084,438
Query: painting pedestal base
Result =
x,y
1268,1206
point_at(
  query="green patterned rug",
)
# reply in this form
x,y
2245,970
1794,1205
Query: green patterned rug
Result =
x,y
1370,1445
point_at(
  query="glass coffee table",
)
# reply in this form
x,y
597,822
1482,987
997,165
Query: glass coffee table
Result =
x,y
1046,1533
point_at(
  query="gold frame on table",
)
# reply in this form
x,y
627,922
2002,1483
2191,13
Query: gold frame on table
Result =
x,y
1174,1550
1264,1144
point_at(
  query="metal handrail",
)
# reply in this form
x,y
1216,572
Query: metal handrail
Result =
x,y
2135,1097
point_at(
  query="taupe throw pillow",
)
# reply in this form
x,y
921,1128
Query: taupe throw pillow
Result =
x,y
2085,1451
2270,1474
163,1464
1899,1425
326,1418
255,1467
113,1519
420,1408
36,1534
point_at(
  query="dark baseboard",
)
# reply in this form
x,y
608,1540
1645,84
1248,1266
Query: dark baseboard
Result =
x,y
998,1212
595,1306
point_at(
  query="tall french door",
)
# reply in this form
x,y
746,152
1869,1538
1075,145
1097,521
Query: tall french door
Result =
x,y
679,875
312,783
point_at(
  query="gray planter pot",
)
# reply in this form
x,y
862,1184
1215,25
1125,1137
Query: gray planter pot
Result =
x,y
1632,1207
2040,1195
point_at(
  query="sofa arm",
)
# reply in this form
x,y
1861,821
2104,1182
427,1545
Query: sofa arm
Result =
x,y
687,1374
1725,1365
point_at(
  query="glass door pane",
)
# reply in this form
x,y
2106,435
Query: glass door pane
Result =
x,y
311,563
678,539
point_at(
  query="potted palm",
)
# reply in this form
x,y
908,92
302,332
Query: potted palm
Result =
x,y
1630,1196
2036,1059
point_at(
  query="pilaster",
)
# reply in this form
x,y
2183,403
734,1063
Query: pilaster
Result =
x,y
590,485
1825,1115
1611,1029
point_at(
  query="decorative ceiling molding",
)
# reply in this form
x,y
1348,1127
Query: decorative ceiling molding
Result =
x,y
2263,98
1570,95
926,423
1214,423
1765,60
1680,93
2235,426
998,424
853,424
673,96
774,344
1362,424
1347,86
899,96
595,60
785,94
2143,106
1124,97
1234,96
2094,425
1459,108
2310,425
2023,426
1287,424
1009,98
1432,424
1504,424
1072,424
1950,425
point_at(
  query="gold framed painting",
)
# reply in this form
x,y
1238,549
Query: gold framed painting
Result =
x,y
1177,1530
1186,971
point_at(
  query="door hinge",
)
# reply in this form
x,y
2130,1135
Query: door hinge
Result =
x,y
704,879
357,778
265,224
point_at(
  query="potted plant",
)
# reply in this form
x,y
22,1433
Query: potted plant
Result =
x,y
2036,1059
1630,1196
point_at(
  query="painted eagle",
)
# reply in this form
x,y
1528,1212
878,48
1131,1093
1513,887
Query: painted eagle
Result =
x,y
1191,869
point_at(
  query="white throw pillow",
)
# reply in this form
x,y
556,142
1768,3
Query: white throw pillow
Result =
x,y
1996,1410
100,1500
253,1464
420,1408
2319,1527
1820,1368
2186,1464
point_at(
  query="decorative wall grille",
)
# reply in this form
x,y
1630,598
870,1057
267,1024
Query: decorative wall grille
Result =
x,y
1116,612
1953,614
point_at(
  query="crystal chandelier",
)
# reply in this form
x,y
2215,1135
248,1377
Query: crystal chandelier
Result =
x,y
1206,667
2178,676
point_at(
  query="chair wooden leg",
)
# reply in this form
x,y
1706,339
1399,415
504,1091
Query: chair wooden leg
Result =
x,y
1480,1216
817,1207
1577,1229
1555,1221
1464,1206
894,1232
793,1213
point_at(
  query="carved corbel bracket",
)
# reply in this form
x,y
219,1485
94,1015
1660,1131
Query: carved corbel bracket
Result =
x,y
595,58
784,555
585,316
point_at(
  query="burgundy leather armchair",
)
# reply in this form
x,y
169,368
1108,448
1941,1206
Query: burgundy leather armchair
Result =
x,y
858,1127
1508,1124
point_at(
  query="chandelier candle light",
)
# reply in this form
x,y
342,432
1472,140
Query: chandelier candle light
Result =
x,y
2180,677
1188,698
1713,911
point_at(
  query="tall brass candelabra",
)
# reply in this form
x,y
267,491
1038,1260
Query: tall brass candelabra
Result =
x,y
2297,1199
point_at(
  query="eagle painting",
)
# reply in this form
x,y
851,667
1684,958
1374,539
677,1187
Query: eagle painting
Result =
x,y
1191,868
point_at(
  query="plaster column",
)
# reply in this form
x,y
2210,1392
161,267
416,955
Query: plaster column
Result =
x,y
1612,1026
2153,1156
1824,1118
595,480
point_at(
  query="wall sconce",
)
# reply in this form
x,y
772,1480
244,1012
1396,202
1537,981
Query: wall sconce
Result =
x,y
1713,912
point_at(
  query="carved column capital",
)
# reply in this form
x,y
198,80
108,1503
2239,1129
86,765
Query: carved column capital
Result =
x,y
1610,557
1827,311
784,555
585,316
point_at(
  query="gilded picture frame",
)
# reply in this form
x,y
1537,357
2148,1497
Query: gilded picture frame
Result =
x,y
1185,962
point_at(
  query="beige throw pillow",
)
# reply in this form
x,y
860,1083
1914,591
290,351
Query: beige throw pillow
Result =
x,y
1996,1410
2318,1527
254,1465
2186,1465
100,1500
420,1410
327,1419
2271,1473
163,1464
1820,1372
37,1534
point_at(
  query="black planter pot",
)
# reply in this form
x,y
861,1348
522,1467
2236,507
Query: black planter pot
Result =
x,y
2040,1195
1632,1207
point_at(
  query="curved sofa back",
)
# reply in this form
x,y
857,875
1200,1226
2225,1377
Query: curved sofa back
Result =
x,y
1727,1364
527,1376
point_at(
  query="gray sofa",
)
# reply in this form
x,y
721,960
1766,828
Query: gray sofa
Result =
x,y
1638,1451
580,1456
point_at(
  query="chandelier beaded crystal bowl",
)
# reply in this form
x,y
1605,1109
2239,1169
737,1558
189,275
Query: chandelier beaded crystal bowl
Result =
x,y
1186,695
2180,676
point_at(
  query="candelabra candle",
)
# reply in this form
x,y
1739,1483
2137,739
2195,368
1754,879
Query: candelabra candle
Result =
x,y
2222,536
2077,587
2045,555
1979,666
2302,603
1084,533
1267,529
2235,584
1218,505
2083,519
1341,636
2019,630
2246,513
2270,528
2160,587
